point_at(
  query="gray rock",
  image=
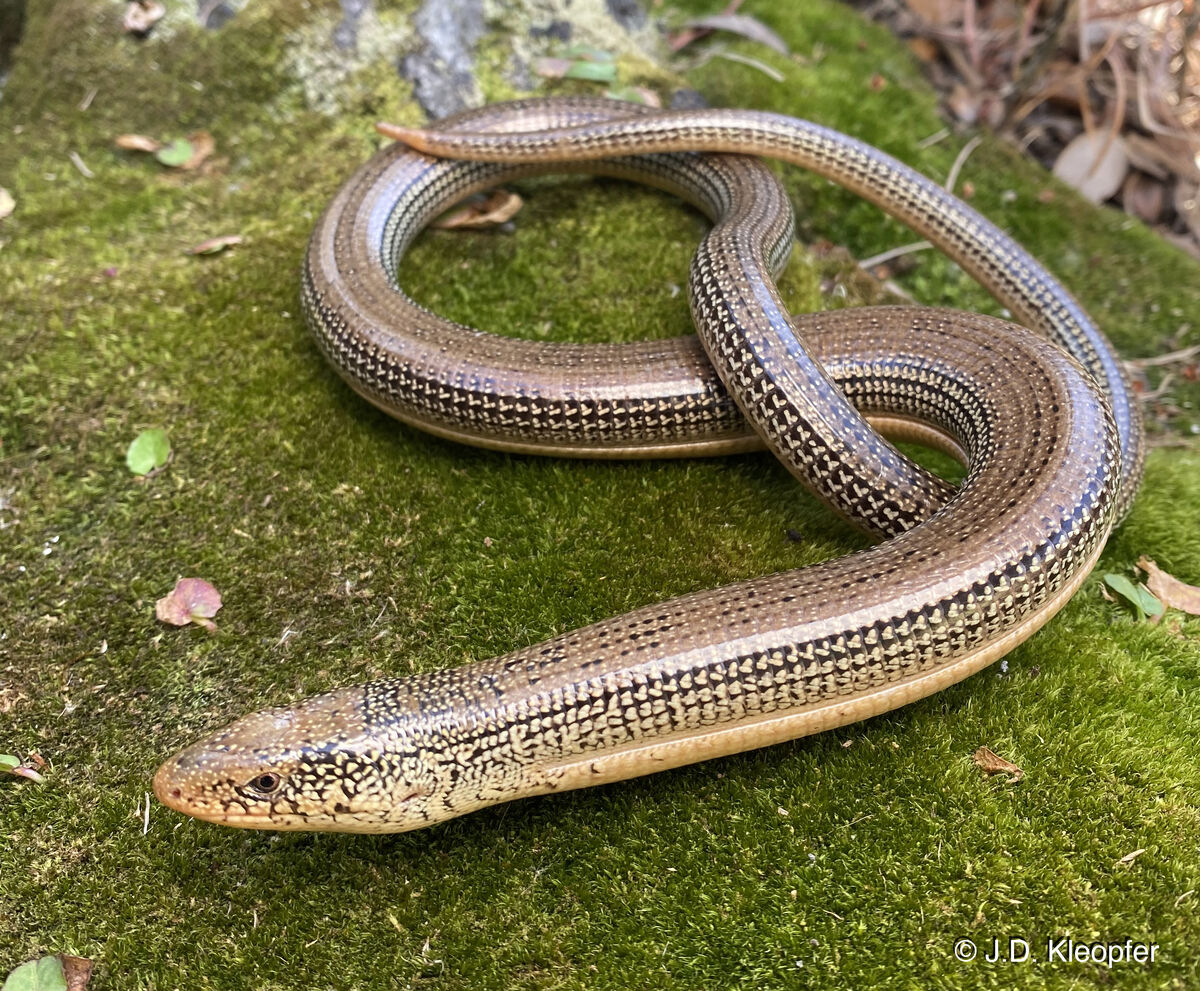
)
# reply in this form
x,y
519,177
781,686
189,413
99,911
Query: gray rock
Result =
x,y
559,30
687,99
442,72
345,35
213,14
627,13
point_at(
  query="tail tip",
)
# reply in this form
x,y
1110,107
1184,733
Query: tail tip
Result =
x,y
414,137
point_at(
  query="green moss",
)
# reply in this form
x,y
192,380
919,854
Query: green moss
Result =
x,y
347,547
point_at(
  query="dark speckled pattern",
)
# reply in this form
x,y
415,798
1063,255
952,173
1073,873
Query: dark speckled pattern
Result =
x,y
723,669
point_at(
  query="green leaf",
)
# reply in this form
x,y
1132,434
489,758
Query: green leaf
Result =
x,y
37,975
597,72
149,450
630,94
1141,598
8,762
589,54
176,153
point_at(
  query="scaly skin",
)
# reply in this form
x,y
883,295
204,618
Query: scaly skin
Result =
x,y
722,670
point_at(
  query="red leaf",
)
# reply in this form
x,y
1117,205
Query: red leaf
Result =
x,y
192,600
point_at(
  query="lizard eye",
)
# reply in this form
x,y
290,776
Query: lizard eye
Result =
x,y
266,783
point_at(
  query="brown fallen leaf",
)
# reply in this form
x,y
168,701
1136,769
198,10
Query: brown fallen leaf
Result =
x,y
501,205
1169,590
963,104
923,48
748,27
939,13
137,142
184,154
215,245
77,971
203,145
681,39
1187,205
192,600
142,15
1143,196
991,763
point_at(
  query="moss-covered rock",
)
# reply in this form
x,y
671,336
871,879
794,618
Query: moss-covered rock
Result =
x,y
347,547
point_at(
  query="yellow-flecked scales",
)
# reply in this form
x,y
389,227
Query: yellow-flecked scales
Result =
x,y
1046,423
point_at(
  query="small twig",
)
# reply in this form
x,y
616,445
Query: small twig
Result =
x,y
1030,72
1191,25
1028,17
887,256
1163,387
1118,120
88,97
934,138
962,65
1147,119
1170,358
78,163
753,63
1083,31
894,287
1170,443
690,34
1035,133
1084,72
960,161
971,36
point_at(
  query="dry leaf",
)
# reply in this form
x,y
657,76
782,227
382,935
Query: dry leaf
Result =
x,y
1187,204
681,39
77,971
142,15
963,104
1131,857
1172,154
992,763
553,68
7,203
1149,155
215,245
635,94
746,26
198,146
1169,590
1077,165
203,145
939,13
192,600
500,206
1143,196
923,49
30,768
137,142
